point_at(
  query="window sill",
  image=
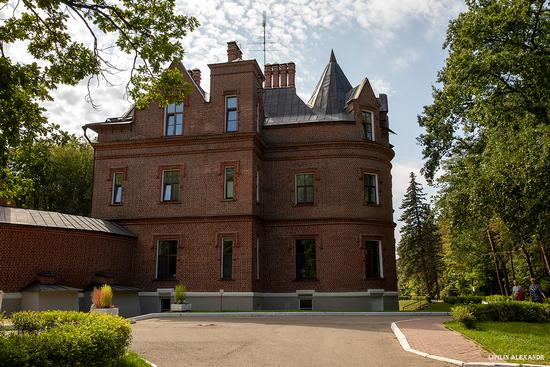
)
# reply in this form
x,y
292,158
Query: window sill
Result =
x,y
227,279
372,205
229,200
303,205
306,280
115,204
165,280
374,278
171,202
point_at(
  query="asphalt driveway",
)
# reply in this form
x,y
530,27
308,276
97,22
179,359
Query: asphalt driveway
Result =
x,y
273,341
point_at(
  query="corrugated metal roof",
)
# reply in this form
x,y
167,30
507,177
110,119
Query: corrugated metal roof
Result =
x,y
42,218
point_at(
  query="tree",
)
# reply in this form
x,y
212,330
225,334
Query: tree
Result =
x,y
59,172
419,249
150,31
488,130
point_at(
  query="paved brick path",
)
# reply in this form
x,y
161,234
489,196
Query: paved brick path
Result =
x,y
428,335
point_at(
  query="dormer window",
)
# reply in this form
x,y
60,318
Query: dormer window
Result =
x,y
368,125
231,113
173,124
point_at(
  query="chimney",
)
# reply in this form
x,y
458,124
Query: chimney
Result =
x,y
45,277
233,51
275,68
267,74
283,68
291,74
196,75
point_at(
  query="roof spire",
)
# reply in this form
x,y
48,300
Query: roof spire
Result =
x,y
332,58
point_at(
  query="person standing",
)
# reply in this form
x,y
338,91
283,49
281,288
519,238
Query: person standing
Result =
x,y
535,292
517,291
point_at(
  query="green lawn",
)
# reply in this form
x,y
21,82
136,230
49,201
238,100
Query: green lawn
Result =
x,y
410,305
437,307
510,338
131,359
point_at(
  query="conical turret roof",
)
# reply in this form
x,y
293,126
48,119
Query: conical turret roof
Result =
x,y
329,97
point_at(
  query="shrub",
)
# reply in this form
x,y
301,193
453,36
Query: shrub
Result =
x,y
512,311
106,299
462,300
497,298
64,338
464,315
96,297
179,293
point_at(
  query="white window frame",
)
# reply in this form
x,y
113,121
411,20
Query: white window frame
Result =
x,y
225,183
121,189
375,185
257,186
296,187
164,122
221,262
225,114
258,258
157,259
162,186
371,125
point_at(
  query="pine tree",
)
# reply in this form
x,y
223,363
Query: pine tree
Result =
x,y
419,249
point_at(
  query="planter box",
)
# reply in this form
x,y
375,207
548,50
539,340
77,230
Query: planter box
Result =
x,y
180,307
109,311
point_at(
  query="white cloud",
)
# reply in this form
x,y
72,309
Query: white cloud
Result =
x,y
295,27
404,60
381,85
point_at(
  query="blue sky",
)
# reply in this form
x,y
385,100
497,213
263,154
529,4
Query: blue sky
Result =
x,y
397,44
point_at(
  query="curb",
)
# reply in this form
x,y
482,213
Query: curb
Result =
x,y
276,314
407,348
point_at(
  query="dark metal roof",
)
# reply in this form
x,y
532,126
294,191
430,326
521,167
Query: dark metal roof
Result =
x,y
329,97
41,218
39,287
114,287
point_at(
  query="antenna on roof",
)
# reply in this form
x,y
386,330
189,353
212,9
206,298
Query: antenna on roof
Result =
x,y
264,42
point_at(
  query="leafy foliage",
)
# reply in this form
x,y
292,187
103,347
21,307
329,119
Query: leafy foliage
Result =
x,y
179,293
64,338
149,31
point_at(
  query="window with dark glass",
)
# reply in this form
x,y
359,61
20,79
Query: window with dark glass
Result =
x,y
368,125
229,184
304,188
174,119
166,259
227,258
371,192
305,259
231,114
117,187
372,259
170,185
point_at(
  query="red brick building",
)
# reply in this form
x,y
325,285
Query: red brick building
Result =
x,y
248,189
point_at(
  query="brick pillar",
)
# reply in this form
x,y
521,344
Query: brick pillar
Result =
x,y
233,51
196,75
291,74
267,74
283,68
275,68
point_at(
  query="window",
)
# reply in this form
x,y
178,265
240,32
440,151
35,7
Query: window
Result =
x,y
257,186
117,187
371,188
368,125
229,184
304,188
170,185
258,258
305,259
231,114
373,259
165,304
166,259
173,124
306,304
227,258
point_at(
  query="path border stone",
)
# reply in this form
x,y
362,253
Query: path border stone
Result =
x,y
407,348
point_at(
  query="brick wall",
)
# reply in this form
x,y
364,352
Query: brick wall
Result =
x,y
73,256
